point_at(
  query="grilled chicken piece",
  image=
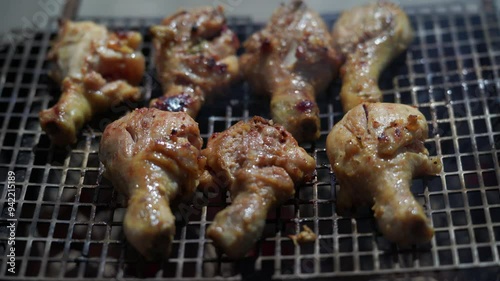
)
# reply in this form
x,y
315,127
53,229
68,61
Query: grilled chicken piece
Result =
x,y
97,70
369,38
153,157
375,151
260,162
292,60
195,58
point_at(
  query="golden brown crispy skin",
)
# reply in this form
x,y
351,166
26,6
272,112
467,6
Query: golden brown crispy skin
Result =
x,y
153,157
260,162
292,60
305,236
195,58
375,151
369,38
96,69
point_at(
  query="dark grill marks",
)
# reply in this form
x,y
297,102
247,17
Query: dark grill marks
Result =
x,y
366,116
175,103
305,106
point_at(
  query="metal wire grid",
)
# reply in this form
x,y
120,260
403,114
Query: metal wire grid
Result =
x,y
69,220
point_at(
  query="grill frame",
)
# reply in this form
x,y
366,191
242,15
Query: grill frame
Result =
x,y
61,209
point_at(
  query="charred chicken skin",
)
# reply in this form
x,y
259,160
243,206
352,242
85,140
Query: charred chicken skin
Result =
x,y
153,157
292,60
259,162
195,58
375,151
369,38
97,69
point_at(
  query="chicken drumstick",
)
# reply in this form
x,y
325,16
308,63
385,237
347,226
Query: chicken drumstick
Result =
x,y
195,57
368,37
292,60
259,162
152,157
96,69
375,151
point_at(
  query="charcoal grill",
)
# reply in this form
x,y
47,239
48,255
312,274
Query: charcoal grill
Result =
x,y
69,219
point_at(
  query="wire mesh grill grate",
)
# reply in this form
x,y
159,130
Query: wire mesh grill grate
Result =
x,y
69,220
